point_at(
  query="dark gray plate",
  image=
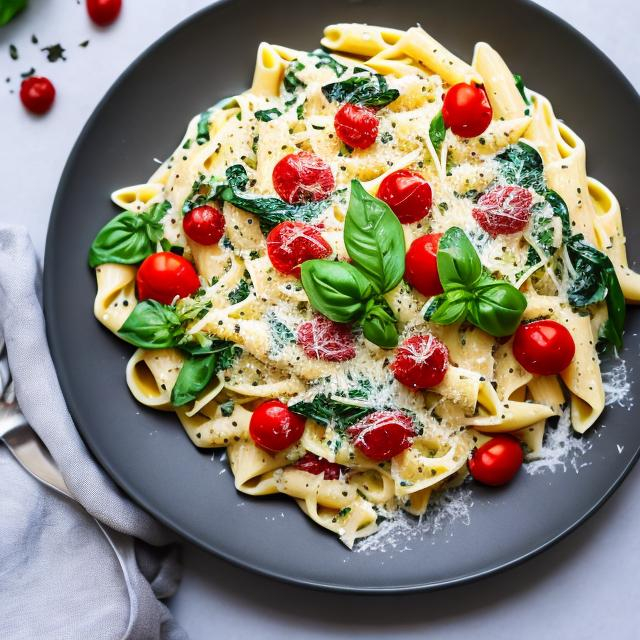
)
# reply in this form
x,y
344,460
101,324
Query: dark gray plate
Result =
x,y
143,116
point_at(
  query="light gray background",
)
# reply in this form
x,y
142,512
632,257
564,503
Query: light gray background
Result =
x,y
585,587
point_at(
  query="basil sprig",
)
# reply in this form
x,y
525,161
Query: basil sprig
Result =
x,y
345,292
365,88
129,237
493,305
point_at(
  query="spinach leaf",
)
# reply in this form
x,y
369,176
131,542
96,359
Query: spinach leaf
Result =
x,y
202,132
542,229
203,191
266,115
329,411
374,239
521,164
152,325
366,89
291,80
240,293
325,60
437,132
129,237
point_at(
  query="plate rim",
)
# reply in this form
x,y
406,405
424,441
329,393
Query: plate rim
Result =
x,y
57,356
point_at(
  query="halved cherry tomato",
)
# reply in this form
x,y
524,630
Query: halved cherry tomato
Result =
x,y
302,177
356,126
382,434
103,12
408,194
324,339
37,94
289,244
496,462
543,347
274,427
503,210
421,265
466,110
165,275
311,463
421,362
204,225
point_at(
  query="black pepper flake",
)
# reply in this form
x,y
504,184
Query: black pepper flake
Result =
x,y
27,74
13,51
34,40
84,44
54,52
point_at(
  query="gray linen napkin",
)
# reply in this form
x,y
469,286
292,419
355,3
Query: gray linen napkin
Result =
x,y
60,577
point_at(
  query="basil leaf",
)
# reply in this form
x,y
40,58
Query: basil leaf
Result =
x,y
379,326
202,131
194,376
336,289
291,80
449,307
561,211
437,131
152,325
325,60
497,307
458,262
240,293
9,8
330,411
266,115
521,164
368,90
374,239
129,237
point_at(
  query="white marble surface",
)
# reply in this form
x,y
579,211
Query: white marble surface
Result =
x,y
585,587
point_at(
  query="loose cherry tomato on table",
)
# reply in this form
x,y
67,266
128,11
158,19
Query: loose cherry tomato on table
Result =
x,y
324,339
382,435
356,126
543,347
421,265
408,194
466,110
273,427
302,177
289,244
421,362
496,462
37,94
311,463
503,210
204,225
164,275
103,12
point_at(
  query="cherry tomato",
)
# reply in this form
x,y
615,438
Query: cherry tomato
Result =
x,y
104,12
37,94
407,193
421,265
356,126
496,462
302,177
204,225
543,347
311,463
466,110
421,362
289,244
503,210
165,275
382,434
324,339
274,428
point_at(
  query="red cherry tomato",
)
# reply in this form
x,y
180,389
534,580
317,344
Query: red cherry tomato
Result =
x,y
204,225
324,339
421,265
37,94
103,12
543,347
503,210
289,244
382,434
302,177
311,463
496,462
421,362
163,276
466,110
356,126
274,428
408,194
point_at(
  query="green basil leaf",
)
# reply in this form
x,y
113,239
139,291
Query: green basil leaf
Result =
x,y
152,325
266,115
497,307
129,237
336,289
291,80
329,411
202,131
437,131
194,376
9,8
458,262
517,78
521,164
366,89
226,408
379,325
561,211
325,60
374,239
450,307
